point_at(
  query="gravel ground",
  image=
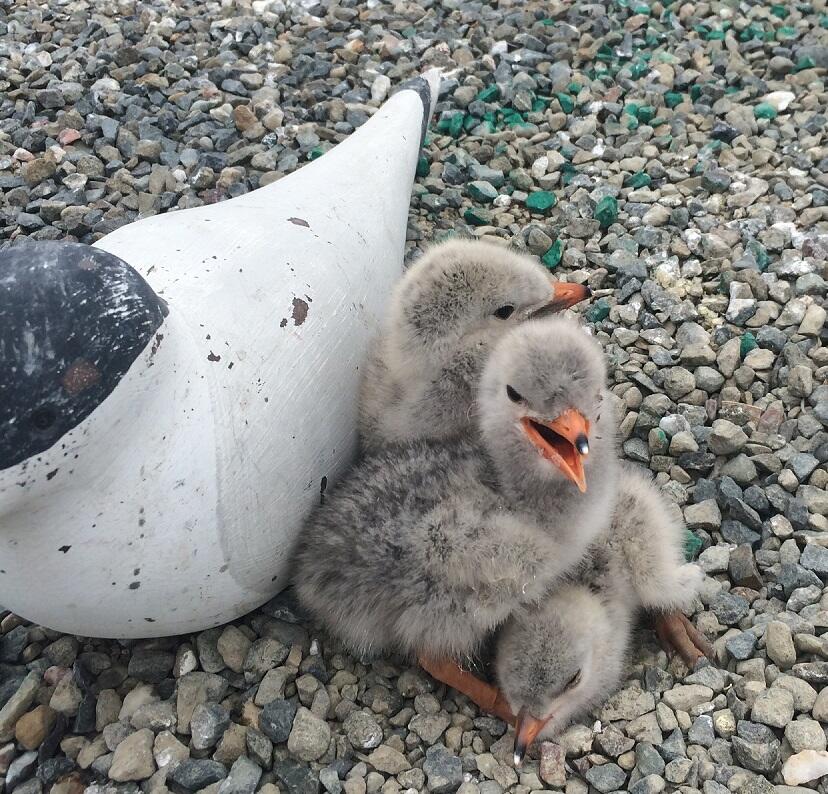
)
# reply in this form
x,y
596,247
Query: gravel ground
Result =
x,y
673,157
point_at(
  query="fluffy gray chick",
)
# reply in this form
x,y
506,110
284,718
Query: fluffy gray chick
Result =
x,y
426,547
555,662
446,314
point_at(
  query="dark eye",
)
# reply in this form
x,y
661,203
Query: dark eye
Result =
x,y
574,681
43,418
505,312
513,395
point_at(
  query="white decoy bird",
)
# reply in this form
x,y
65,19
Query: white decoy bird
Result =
x,y
175,398
446,313
427,547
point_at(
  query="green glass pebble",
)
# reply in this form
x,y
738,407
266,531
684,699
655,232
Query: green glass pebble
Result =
x,y
469,122
566,102
715,35
692,545
747,344
764,110
631,109
823,21
632,123
598,311
646,113
568,172
759,253
541,201
317,151
638,179
806,62
480,190
539,105
779,11
475,216
639,70
488,94
456,125
606,211
574,88
695,92
641,8
552,258
423,167
673,99
786,33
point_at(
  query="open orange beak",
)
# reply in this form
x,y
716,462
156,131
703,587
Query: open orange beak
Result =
x,y
527,729
564,295
563,441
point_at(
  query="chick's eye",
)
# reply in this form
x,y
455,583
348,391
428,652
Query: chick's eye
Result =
x,y
574,681
513,395
504,312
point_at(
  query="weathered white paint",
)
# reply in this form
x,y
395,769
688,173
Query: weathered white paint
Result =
x,y
195,474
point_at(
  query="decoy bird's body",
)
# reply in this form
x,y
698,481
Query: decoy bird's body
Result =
x,y
427,547
447,312
556,661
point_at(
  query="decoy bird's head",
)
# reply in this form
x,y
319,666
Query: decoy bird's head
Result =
x,y
467,293
539,399
546,661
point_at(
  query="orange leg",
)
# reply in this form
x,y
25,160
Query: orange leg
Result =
x,y
486,696
676,632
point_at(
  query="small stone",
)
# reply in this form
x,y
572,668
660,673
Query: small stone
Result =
x,y
704,515
701,731
233,645
67,697
429,727
815,558
805,734
773,707
729,608
309,737
443,770
606,777
742,645
388,760
553,764
208,723
362,730
805,767
779,644
195,774
167,750
32,728
133,758
151,666
243,778
726,438
685,697
742,567
276,720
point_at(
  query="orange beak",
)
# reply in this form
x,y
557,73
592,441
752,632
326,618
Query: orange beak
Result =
x,y
564,295
527,729
563,441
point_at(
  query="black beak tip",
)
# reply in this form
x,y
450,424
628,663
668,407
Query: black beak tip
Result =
x,y
518,757
582,445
